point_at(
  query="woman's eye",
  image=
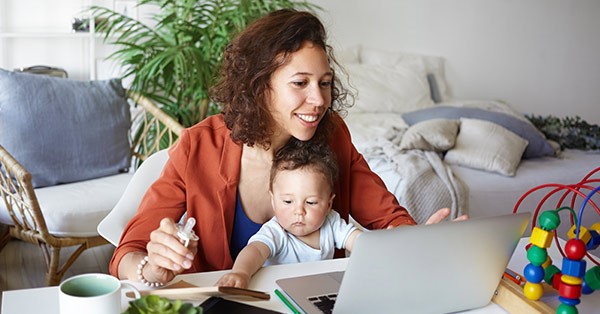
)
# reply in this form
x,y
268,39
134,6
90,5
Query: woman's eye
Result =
x,y
299,83
326,84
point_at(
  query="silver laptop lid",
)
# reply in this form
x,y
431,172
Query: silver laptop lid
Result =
x,y
438,268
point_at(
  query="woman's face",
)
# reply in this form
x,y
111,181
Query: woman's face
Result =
x,y
301,93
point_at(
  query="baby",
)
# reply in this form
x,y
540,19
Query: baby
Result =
x,y
304,228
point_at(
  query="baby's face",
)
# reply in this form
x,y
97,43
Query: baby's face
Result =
x,y
301,200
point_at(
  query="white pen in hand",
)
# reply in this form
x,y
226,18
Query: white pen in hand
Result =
x,y
186,233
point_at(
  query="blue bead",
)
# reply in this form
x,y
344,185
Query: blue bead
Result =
x,y
567,301
585,289
533,273
594,240
573,268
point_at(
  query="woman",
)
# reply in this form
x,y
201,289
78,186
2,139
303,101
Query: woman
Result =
x,y
276,83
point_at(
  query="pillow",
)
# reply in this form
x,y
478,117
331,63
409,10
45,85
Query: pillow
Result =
x,y
432,64
436,134
64,130
385,90
538,145
486,146
433,88
348,54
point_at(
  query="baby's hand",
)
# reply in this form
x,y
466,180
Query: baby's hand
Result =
x,y
233,279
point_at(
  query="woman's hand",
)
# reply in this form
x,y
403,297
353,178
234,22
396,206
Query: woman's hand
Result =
x,y
441,214
167,256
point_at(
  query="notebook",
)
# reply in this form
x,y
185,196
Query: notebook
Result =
x,y
446,267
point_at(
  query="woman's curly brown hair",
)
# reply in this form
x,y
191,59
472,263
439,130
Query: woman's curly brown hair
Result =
x,y
248,63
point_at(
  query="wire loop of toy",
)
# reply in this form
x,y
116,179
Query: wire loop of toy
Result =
x,y
572,280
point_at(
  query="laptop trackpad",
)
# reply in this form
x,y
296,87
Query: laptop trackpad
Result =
x,y
303,287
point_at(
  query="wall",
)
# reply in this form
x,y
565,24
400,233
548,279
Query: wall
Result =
x,y
541,56
38,32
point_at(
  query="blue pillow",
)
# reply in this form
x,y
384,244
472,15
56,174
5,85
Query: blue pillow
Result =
x,y
538,145
63,130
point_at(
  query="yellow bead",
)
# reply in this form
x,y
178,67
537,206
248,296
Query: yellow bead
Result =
x,y
584,234
533,291
547,263
570,280
596,227
541,238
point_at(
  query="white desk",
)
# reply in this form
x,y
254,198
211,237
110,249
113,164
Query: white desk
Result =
x,y
45,300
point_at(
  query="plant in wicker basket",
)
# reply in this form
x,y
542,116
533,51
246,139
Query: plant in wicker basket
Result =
x,y
175,61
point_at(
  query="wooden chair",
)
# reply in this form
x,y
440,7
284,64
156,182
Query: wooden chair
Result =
x,y
27,212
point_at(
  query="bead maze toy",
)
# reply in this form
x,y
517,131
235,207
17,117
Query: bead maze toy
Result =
x,y
572,280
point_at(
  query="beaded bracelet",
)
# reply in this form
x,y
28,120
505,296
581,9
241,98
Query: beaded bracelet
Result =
x,y
140,269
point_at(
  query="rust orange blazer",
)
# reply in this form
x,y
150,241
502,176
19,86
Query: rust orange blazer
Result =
x,y
201,177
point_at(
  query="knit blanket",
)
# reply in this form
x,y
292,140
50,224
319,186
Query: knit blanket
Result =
x,y
427,183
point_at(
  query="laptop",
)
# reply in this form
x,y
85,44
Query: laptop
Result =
x,y
441,268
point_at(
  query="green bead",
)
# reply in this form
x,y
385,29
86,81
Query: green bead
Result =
x,y
536,255
566,309
549,220
550,271
592,278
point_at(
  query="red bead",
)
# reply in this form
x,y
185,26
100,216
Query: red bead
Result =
x,y
556,280
569,291
575,249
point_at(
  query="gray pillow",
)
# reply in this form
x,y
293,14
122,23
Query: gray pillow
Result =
x,y
538,145
434,90
64,130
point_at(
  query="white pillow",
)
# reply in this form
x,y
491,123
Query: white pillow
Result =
x,y
380,89
486,146
348,54
436,134
432,64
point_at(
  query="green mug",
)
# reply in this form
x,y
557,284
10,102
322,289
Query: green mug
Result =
x,y
92,294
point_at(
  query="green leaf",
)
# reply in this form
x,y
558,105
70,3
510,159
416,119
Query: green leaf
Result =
x,y
569,132
176,60
152,304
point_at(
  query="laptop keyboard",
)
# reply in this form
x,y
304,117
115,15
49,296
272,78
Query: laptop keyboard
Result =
x,y
324,302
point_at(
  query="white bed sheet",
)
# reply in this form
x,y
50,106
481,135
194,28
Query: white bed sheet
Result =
x,y
493,194
489,193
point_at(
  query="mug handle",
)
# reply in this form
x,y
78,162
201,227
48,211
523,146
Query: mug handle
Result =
x,y
128,286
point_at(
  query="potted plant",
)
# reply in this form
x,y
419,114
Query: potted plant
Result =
x,y
175,61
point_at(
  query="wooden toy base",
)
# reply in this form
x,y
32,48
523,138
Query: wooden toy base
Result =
x,y
510,297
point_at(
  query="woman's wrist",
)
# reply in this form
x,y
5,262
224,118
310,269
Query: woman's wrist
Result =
x,y
142,278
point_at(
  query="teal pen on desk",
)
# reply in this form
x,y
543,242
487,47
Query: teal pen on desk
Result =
x,y
286,302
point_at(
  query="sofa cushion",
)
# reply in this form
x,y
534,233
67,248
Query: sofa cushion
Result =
x,y
63,130
76,209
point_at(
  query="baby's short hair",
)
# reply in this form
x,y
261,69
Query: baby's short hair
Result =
x,y
298,154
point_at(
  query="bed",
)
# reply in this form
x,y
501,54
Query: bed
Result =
x,y
404,106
